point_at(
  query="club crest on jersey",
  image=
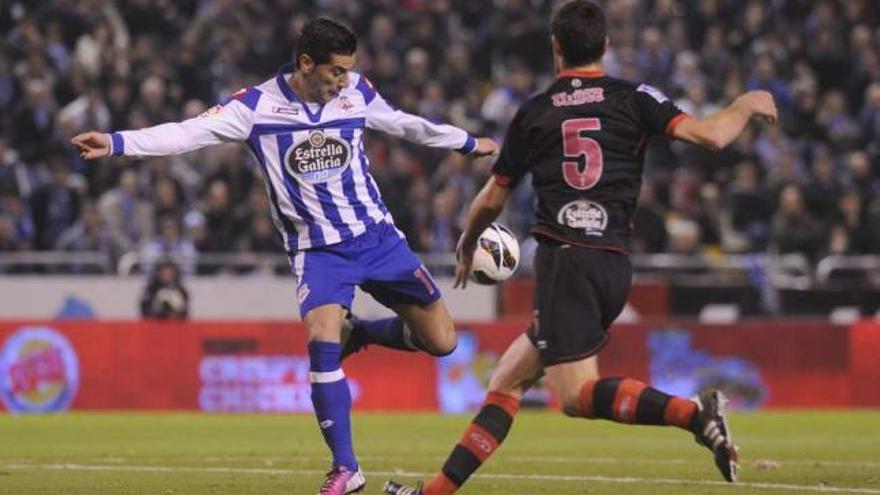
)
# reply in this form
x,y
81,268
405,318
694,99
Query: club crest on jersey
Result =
x,y
586,215
346,104
318,158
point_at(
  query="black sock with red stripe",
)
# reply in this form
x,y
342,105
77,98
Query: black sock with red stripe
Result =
x,y
481,438
625,400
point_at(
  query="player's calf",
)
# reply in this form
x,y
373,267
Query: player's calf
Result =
x,y
393,333
625,400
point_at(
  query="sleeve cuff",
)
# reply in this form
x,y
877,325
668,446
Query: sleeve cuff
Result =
x,y
674,121
117,144
469,145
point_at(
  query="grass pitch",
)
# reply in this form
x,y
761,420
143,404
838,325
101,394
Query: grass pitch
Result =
x,y
546,453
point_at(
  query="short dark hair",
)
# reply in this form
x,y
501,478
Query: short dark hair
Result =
x,y
579,28
321,38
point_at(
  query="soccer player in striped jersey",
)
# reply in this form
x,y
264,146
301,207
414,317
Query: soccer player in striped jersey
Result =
x,y
582,140
305,127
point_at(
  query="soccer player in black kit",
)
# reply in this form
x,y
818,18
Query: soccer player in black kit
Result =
x,y
583,140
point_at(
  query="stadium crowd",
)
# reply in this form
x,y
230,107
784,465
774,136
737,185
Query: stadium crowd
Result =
x,y
808,185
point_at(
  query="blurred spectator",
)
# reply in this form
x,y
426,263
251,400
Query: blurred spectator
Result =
x,y
219,220
261,237
8,241
684,236
33,121
748,210
170,244
649,226
165,297
89,233
66,66
128,216
55,205
823,191
17,212
794,229
853,223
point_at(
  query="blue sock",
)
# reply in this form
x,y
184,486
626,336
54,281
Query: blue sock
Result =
x,y
332,400
390,332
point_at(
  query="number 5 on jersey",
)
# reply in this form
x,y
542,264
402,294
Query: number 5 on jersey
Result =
x,y
575,145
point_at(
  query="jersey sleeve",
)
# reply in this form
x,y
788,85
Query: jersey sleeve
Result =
x,y
655,111
231,121
512,163
383,117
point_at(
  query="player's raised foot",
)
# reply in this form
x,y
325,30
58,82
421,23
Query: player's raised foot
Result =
x,y
354,339
392,488
341,481
712,430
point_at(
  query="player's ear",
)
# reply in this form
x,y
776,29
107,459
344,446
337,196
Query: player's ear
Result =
x,y
557,50
305,63
558,60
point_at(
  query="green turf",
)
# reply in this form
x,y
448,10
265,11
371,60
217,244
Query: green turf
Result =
x,y
170,454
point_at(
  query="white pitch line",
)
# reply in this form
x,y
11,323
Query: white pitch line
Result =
x,y
407,474
547,459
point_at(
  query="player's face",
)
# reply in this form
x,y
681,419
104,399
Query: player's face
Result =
x,y
327,80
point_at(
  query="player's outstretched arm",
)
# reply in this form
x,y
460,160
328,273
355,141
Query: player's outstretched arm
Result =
x,y
723,127
232,122
483,211
385,118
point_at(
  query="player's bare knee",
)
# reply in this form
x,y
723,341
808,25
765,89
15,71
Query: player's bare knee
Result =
x,y
324,331
443,345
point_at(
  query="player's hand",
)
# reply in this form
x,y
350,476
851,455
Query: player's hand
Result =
x,y
464,255
92,145
485,147
762,105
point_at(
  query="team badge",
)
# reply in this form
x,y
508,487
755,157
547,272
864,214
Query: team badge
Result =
x,y
346,104
39,371
318,158
585,215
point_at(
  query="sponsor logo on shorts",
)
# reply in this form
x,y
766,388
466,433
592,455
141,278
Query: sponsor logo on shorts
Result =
x,y
327,423
302,292
583,214
318,158
39,371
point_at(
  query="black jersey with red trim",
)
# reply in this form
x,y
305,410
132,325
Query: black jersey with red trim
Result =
x,y
583,140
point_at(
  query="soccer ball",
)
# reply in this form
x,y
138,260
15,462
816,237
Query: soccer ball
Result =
x,y
496,257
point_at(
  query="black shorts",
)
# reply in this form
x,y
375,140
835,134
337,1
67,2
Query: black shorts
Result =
x,y
579,292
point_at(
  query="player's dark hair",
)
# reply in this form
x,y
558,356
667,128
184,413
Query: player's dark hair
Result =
x,y
579,28
321,38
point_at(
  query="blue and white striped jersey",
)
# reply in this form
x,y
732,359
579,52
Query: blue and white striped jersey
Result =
x,y
312,156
